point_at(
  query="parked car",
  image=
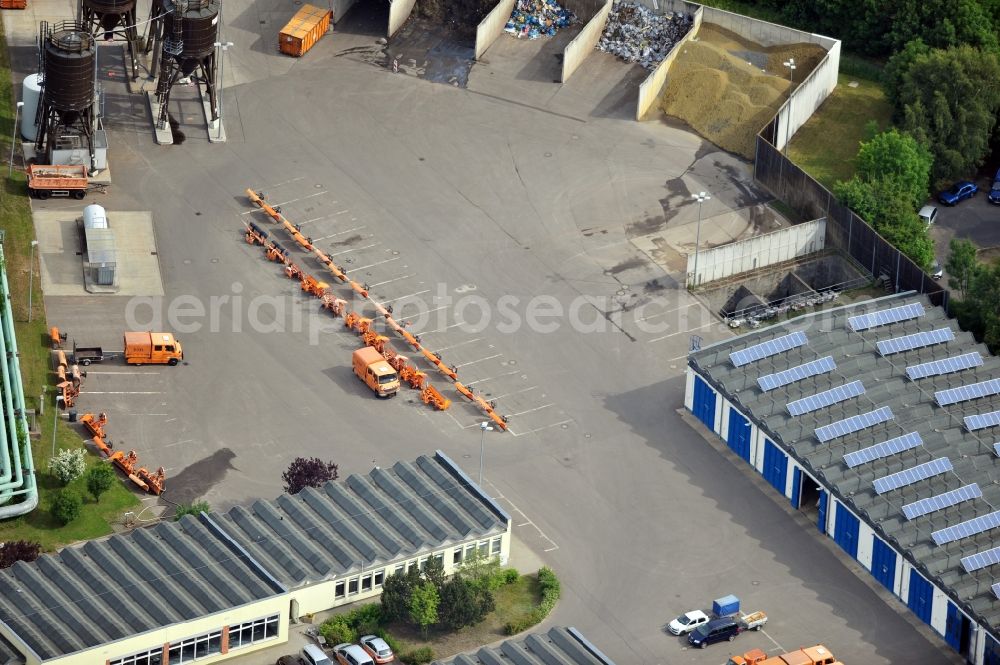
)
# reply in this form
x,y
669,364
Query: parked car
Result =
x,y
994,195
958,192
928,214
687,622
289,660
936,270
313,655
351,654
714,631
377,649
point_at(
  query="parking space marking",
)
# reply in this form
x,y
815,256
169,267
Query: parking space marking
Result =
x,y
516,392
98,373
315,219
527,520
339,233
473,362
389,281
455,346
498,376
418,293
284,203
537,408
436,309
374,244
669,311
341,212
683,332
773,641
151,414
123,392
440,330
175,443
539,429
286,182
377,263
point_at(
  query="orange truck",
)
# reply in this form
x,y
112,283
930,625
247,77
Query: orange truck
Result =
x,y
817,655
371,367
152,348
45,180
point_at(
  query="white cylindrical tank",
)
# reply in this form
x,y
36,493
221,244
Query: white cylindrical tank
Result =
x,y
30,92
94,217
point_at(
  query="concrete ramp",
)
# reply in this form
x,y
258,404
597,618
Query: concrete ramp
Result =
x,y
585,42
399,11
491,27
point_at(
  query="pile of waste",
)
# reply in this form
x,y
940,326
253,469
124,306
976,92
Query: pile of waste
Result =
x,y
635,33
537,18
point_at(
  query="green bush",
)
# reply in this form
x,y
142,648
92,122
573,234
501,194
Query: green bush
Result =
x,y
66,506
548,583
336,631
393,643
365,620
420,656
510,576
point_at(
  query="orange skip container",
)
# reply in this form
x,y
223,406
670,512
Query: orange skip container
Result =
x,y
304,30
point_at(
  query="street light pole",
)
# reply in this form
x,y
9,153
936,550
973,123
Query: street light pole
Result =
x,y
484,427
224,46
31,276
791,84
700,197
13,139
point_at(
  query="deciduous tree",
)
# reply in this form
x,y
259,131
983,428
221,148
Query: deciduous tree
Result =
x,y
18,550
308,472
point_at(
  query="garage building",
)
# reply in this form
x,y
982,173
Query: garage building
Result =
x,y
214,586
882,419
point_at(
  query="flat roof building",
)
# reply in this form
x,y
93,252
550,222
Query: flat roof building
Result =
x,y
565,646
882,417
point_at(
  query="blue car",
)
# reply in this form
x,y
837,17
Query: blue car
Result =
x,y
958,193
994,196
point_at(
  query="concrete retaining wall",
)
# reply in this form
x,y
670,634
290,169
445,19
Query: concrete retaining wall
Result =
x,y
651,89
492,26
808,96
340,8
583,44
399,11
757,252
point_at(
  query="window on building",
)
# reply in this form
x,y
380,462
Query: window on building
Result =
x,y
440,558
470,549
338,590
151,657
497,543
194,648
411,566
484,548
258,630
366,582
423,562
399,569
456,556
352,586
379,578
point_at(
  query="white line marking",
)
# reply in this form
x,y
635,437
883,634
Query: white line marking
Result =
x,y
669,311
151,414
170,420
377,263
539,429
96,373
341,212
455,346
551,549
516,392
286,182
354,250
684,332
498,376
175,443
537,408
339,233
418,293
436,309
123,392
473,362
388,281
773,640
678,358
315,219
523,524
440,330
278,205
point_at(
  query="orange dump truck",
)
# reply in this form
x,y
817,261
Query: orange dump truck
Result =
x,y
45,180
817,655
371,367
152,348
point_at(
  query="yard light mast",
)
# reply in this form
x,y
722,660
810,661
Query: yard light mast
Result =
x,y
790,63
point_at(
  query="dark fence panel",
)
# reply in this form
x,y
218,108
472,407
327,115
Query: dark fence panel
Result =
x,y
844,229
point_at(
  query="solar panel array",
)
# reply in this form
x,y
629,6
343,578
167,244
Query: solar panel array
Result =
x,y
974,562
965,393
884,449
853,424
767,349
941,501
797,373
966,529
945,366
915,341
912,475
826,398
982,420
885,317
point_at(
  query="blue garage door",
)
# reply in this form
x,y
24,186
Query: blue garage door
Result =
x,y
775,466
845,532
824,500
704,403
992,655
739,434
796,487
953,627
883,563
921,597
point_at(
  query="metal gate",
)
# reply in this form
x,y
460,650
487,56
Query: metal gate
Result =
x,y
883,563
921,597
845,531
704,403
739,434
775,466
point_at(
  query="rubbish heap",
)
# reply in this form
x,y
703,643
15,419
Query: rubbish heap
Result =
x,y
635,33
535,18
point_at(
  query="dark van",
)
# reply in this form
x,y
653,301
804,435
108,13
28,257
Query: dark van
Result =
x,y
714,631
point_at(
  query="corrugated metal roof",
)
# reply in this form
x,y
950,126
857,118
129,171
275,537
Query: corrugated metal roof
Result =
x,y
558,646
8,654
102,591
915,410
101,247
388,515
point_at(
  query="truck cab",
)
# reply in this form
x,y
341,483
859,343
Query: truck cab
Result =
x,y
371,367
152,348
